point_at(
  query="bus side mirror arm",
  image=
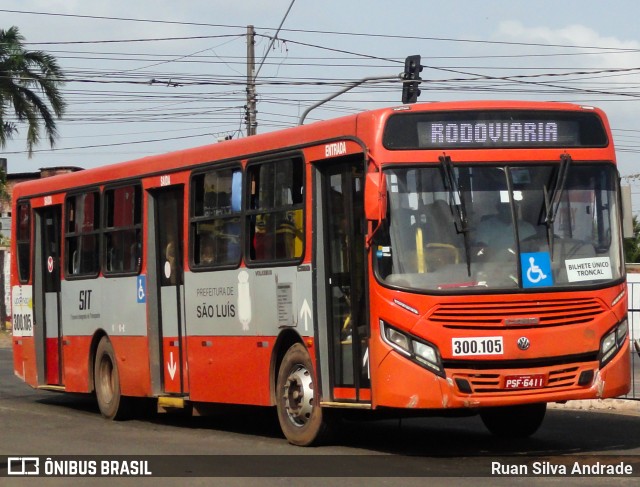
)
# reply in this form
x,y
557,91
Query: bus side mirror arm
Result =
x,y
375,201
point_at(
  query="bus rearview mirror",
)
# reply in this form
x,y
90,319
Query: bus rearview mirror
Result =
x,y
375,196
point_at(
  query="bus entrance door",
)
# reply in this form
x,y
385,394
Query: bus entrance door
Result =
x,y
343,227
47,328
168,237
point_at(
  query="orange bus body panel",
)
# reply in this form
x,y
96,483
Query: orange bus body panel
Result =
x,y
132,354
230,369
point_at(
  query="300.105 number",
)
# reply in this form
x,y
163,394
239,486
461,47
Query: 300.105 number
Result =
x,y
477,346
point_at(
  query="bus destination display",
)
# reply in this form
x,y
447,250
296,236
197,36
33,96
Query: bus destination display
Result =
x,y
474,133
497,129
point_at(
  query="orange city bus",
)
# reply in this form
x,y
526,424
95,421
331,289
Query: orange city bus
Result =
x,y
445,258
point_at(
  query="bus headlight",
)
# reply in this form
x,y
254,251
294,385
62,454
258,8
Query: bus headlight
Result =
x,y
398,340
417,350
621,332
612,342
425,352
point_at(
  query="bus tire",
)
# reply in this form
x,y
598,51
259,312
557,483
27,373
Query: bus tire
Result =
x,y
514,421
107,381
299,412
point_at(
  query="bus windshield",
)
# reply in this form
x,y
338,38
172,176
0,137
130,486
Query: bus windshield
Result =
x,y
499,227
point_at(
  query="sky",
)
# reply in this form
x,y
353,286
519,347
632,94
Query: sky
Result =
x,y
147,77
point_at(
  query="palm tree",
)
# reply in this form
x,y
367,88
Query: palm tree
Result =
x,y
24,77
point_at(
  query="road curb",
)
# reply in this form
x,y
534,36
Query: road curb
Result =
x,y
627,406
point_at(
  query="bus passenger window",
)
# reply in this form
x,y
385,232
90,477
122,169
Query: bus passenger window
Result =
x,y
82,227
275,215
23,239
215,217
123,230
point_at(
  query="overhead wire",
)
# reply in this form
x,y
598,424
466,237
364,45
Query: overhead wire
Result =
x,y
277,91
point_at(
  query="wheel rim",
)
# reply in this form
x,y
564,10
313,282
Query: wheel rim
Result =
x,y
298,396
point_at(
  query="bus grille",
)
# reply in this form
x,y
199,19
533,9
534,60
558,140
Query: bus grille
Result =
x,y
492,383
518,314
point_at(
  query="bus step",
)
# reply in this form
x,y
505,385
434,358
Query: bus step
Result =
x,y
168,404
347,405
52,388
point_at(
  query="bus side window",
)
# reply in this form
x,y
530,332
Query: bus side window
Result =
x,y
82,227
23,239
275,215
123,230
215,217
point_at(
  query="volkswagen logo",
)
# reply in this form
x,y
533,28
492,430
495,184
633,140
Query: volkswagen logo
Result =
x,y
523,343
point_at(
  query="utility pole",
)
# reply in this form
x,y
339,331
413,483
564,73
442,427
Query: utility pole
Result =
x,y
250,107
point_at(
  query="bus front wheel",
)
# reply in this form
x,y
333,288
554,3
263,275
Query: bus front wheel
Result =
x,y
107,381
514,421
299,413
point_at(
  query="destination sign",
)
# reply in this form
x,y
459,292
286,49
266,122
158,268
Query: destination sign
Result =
x,y
503,134
499,129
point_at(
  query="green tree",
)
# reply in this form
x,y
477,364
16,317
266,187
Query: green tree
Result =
x,y
30,83
632,245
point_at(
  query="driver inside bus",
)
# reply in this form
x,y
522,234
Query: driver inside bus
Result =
x,y
497,232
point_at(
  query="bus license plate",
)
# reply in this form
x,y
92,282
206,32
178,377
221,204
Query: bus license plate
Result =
x,y
524,381
477,346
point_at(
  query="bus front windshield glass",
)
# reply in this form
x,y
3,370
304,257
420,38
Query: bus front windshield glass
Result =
x,y
479,227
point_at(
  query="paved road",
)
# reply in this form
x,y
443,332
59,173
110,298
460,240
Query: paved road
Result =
x,y
44,423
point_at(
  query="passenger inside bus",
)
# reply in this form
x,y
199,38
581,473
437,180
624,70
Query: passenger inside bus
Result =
x,y
289,235
262,239
207,255
170,266
277,235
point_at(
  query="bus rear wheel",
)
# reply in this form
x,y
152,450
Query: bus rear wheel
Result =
x,y
107,381
514,421
299,413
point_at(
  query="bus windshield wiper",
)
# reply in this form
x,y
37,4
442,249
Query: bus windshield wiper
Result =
x,y
456,203
552,203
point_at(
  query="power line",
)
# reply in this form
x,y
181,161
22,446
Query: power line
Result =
x,y
273,39
179,97
115,144
326,32
119,41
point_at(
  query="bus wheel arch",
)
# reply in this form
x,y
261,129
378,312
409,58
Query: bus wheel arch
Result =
x,y
284,342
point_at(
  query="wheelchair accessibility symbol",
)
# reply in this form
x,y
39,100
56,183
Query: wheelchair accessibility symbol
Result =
x,y
534,273
536,269
141,289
